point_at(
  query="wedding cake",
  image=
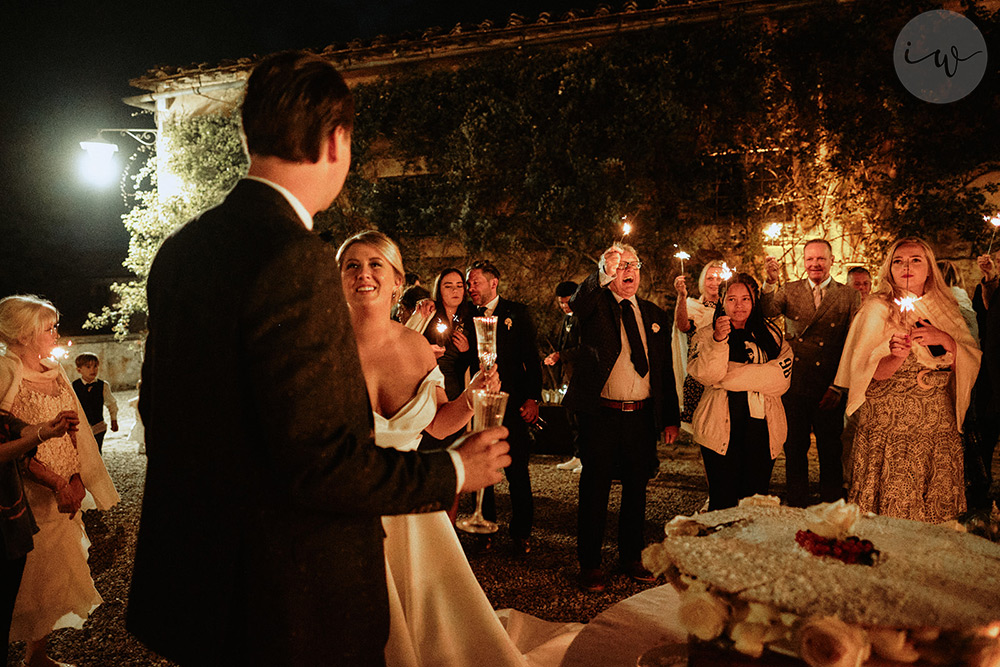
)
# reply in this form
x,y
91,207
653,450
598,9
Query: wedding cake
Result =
x,y
832,587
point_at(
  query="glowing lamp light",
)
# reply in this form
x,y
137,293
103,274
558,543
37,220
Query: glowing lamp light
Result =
x,y
773,231
97,165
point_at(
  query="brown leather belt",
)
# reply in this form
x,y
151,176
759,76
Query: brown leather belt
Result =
x,y
624,406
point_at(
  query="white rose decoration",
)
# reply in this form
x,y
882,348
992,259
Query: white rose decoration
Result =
x,y
701,613
749,638
829,642
834,520
656,559
892,645
682,526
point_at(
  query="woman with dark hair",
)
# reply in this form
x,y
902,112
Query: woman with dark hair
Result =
x,y
909,364
448,327
745,366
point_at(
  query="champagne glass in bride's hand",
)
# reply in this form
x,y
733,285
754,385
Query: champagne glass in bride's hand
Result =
x,y
486,340
488,408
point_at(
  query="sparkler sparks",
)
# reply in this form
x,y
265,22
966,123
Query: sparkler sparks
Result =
x,y
995,221
773,231
726,272
681,255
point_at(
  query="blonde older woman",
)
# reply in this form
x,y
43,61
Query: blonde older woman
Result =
x,y
690,316
57,590
909,364
439,614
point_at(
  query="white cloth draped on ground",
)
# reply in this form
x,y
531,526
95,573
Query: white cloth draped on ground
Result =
x,y
439,614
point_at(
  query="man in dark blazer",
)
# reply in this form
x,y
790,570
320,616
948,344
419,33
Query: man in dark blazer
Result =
x,y
818,312
624,395
521,378
260,541
567,347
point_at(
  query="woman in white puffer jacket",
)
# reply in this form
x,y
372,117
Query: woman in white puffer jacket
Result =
x,y
740,421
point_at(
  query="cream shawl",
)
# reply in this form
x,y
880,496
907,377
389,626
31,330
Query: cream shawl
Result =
x,y
101,490
868,342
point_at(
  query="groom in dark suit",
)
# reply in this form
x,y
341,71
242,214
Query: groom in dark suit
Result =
x,y
521,378
260,541
624,394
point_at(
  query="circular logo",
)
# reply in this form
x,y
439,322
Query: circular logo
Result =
x,y
940,56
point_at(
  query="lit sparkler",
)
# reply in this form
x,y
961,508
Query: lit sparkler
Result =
x,y
726,272
61,352
441,329
681,255
995,221
626,230
773,231
906,303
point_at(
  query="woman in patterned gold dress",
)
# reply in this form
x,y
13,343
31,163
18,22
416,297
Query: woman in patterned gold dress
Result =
x,y
65,476
909,363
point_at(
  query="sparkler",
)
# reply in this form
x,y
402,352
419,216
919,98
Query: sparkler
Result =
x,y
681,255
995,221
626,229
441,328
773,231
726,272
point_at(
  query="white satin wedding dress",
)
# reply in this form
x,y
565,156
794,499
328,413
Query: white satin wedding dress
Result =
x,y
439,615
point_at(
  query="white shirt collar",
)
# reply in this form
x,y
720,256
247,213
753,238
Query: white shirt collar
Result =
x,y
300,210
824,284
492,305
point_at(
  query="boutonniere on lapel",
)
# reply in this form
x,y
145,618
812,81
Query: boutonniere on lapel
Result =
x,y
509,322
655,327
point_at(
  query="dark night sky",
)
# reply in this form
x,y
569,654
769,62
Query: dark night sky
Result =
x,y
66,66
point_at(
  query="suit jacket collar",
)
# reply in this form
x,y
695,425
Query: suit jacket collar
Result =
x,y
293,201
831,291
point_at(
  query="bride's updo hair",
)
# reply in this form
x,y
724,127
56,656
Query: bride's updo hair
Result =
x,y
380,242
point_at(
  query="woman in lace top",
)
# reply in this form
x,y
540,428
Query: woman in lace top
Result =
x,y
909,364
56,590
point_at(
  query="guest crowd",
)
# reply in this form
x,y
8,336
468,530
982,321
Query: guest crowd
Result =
x,y
339,409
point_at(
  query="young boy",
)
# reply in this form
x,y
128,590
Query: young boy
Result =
x,y
94,394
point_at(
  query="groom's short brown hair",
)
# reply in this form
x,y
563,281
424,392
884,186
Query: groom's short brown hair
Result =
x,y
294,101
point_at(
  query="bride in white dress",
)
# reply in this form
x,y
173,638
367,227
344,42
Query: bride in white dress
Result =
x,y
439,614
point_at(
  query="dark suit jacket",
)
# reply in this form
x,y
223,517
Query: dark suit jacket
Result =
x,y
600,345
260,540
816,335
568,346
517,353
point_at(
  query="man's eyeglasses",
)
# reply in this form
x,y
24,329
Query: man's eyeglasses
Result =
x,y
625,266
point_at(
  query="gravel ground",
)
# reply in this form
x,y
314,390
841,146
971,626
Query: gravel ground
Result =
x,y
542,584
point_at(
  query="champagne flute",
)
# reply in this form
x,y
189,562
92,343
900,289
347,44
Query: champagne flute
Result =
x,y
486,341
488,408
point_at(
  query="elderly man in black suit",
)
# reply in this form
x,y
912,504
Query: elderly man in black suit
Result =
x,y
818,312
260,541
521,378
624,394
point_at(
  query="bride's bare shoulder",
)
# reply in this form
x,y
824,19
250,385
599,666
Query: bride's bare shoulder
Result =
x,y
413,343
